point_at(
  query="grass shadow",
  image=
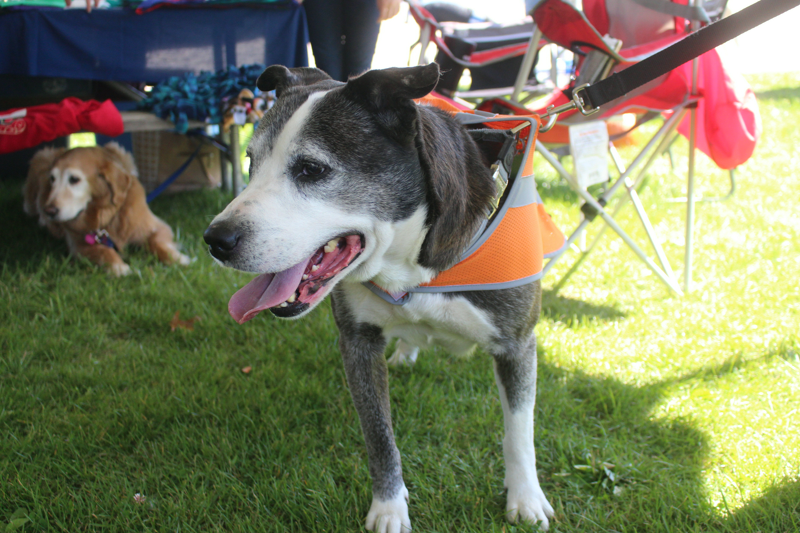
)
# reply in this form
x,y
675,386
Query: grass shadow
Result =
x,y
787,93
605,459
24,244
204,441
787,350
572,312
760,514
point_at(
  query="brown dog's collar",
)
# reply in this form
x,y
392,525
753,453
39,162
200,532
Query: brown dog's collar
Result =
x,y
100,236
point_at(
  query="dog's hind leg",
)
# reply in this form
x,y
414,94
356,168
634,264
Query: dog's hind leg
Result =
x,y
404,354
362,346
515,374
161,243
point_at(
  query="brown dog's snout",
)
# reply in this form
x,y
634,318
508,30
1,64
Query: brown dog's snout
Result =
x,y
222,240
51,211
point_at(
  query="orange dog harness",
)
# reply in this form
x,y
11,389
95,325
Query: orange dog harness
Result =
x,y
509,251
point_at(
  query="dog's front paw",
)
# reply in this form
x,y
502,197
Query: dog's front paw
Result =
x,y
185,260
389,516
119,269
528,504
404,355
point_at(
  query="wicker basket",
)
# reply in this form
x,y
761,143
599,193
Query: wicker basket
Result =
x,y
160,153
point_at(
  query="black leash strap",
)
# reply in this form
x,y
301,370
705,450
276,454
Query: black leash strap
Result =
x,y
694,45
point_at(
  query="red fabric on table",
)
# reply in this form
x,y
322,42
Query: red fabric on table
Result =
x,y
43,123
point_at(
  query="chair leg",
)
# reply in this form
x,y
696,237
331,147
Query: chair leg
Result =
x,y
669,153
660,140
727,196
411,52
690,200
656,141
236,162
598,209
225,164
424,39
637,205
527,64
635,186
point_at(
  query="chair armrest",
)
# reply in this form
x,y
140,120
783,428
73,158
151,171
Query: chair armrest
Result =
x,y
567,27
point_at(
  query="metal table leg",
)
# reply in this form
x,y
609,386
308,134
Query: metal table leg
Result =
x,y
225,164
236,162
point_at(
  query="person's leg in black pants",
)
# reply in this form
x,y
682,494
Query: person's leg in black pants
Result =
x,y
343,35
325,32
361,30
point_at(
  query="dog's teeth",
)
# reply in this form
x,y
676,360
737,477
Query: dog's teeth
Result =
x,y
314,268
284,304
291,299
331,246
305,276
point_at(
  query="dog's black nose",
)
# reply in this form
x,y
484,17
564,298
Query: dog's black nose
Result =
x,y
51,211
221,240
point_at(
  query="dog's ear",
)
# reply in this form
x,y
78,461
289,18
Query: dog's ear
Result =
x,y
459,187
114,178
389,95
392,86
123,157
281,78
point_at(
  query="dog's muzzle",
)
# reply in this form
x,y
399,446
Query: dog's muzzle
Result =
x,y
51,211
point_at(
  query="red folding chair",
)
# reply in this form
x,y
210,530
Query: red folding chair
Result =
x,y
709,104
501,58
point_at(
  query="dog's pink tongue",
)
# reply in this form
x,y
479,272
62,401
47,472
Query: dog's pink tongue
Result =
x,y
265,291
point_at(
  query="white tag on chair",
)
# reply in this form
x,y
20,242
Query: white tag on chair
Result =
x,y
588,143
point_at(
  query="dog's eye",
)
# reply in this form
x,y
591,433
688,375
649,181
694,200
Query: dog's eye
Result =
x,y
52,179
312,171
74,180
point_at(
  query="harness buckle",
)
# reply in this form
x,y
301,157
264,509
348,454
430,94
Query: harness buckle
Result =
x,y
500,188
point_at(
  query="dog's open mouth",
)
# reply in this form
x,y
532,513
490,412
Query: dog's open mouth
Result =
x,y
292,291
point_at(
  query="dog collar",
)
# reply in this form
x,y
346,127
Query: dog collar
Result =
x,y
99,236
394,298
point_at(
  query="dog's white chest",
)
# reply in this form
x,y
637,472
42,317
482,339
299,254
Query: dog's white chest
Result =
x,y
426,320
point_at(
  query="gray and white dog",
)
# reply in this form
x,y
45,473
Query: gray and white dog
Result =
x,y
354,182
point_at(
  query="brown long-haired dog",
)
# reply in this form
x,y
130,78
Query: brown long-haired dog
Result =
x,y
93,198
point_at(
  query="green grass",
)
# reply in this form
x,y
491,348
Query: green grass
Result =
x,y
655,413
